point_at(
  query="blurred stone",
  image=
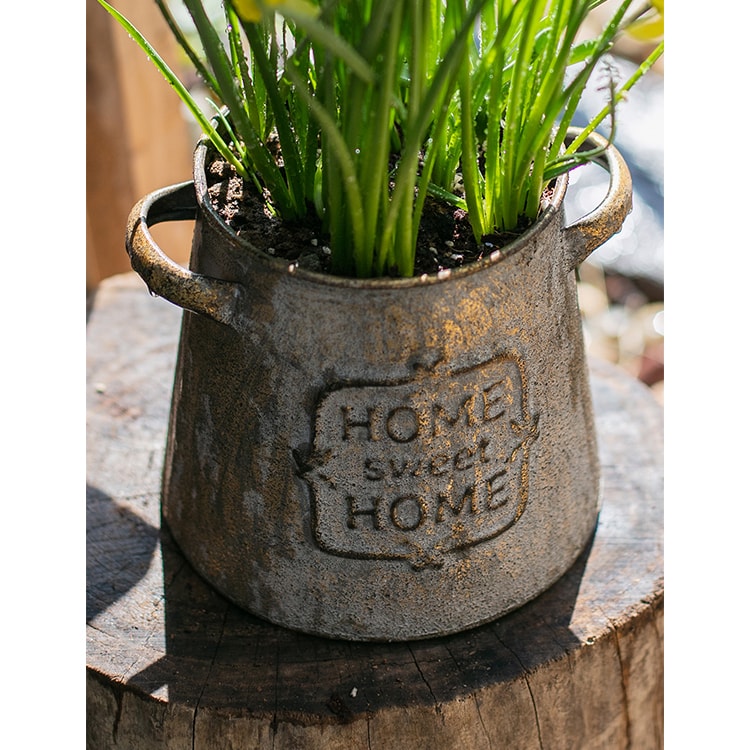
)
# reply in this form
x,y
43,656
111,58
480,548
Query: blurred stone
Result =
x,y
592,300
651,370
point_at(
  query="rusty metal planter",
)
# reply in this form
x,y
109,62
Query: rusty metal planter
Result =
x,y
379,459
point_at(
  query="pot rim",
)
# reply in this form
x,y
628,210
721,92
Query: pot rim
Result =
x,y
554,206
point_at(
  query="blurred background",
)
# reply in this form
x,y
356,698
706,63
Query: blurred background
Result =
x,y
139,138
621,285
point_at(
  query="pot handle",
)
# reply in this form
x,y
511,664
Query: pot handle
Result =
x,y
214,298
595,228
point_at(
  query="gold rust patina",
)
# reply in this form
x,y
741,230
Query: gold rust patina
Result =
x,y
439,453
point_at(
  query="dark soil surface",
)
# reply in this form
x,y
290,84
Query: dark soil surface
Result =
x,y
445,238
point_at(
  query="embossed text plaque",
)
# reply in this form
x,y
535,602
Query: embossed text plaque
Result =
x,y
418,469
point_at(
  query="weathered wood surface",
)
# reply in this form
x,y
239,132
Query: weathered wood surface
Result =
x,y
172,664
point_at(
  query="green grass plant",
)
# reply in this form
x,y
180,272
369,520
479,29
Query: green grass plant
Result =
x,y
375,104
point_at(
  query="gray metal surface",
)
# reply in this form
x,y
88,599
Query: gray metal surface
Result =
x,y
380,460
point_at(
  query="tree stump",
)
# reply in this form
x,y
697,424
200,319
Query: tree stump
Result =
x,y
172,664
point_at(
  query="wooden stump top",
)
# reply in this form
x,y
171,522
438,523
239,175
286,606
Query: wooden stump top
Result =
x,y
171,663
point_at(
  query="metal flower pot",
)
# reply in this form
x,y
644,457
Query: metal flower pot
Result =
x,y
379,459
